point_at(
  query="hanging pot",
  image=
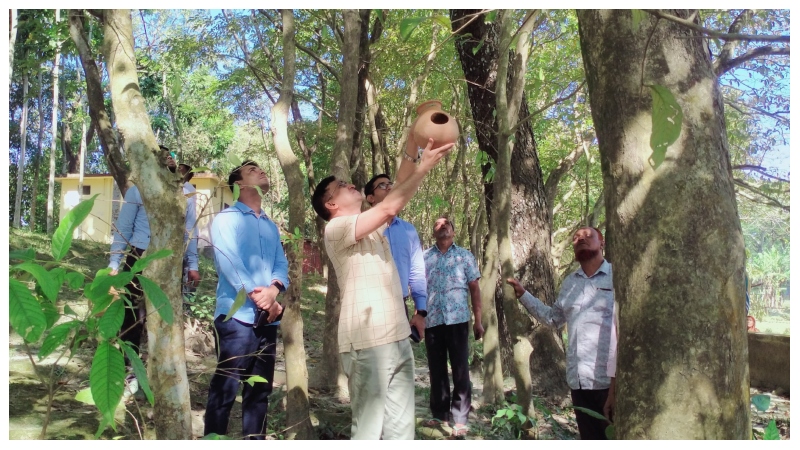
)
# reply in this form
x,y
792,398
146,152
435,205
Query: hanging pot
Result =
x,y
434,123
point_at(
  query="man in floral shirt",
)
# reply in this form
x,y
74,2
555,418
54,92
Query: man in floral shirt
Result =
x,y
452,272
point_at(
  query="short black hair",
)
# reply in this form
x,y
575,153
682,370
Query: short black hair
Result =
x,y
189,173
236,174
447,218
369,188
318,199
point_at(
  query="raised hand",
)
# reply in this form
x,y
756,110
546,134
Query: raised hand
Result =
x,y
431,156
518,289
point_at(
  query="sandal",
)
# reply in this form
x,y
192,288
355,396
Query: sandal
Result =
x,y
434,422
460,430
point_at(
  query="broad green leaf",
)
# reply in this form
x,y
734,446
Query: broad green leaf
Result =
x,y
509,413
637,16
46,282
138,370
478,47
25,313
521,417
234,159
588,411
215,437
408,25
199,169
157,297
103,283
107,379
51,314
85,396
24,255
490,16
260,192
611,433
667,120
236,191
255,379
142,263
74,280
237,303
62,238
100,302
500,413
771,433
761,402
110,323
56,337
444,21
68,311
58,274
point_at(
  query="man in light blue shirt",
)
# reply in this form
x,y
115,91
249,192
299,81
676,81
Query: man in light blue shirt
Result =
x,y
132,229
248,256
405,244
586,304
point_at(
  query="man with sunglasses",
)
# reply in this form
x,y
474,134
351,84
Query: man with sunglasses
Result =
x,y
406,249
373,326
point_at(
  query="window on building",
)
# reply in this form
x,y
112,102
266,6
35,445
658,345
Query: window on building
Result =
x,y
87,190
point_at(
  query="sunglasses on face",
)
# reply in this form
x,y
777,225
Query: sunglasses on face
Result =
x,y
338,185
385,185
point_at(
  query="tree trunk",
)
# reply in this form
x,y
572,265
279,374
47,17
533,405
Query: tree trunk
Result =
x,y
37,159
51,179
23,137
530,217
298,424
674,235
97,110
357,163
166,208
12,39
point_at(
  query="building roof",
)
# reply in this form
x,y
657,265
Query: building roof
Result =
x,y
75,176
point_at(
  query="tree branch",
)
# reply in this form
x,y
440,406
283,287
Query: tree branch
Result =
x,y
721,66
771,201
716,34
776,116
316,58
760,170
549,105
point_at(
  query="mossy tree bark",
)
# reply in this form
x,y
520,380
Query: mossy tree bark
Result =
x,y
674,235
166,208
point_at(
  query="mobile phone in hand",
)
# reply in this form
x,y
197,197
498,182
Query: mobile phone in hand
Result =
x,y
414,334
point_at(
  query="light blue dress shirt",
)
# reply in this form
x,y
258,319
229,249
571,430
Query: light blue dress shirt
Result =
x,y
133,227
407,255
247,254
586,305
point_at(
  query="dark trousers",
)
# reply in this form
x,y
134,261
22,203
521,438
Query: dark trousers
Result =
x,y
133,321
594,399
242,351
442,341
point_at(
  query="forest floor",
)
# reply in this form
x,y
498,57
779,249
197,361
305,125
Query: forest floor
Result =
x,y
71,419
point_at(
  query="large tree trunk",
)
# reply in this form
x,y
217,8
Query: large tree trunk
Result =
x,y
357,160
298,423
97,110
51,179
23,131
530,217
37,158
674,235
12,39
166,209
330,371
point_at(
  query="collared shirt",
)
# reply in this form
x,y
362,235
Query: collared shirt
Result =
x,y
373,312
247,254
586,305
448,276
132,226
407,255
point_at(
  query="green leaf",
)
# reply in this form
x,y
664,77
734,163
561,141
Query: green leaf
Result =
x,y
444,21
69,311
74,280
667,120
237,303
590,412
771,433
637,15
51,314
43,278
85,396
611,433
500,413
103,283
541,74
478,47
62,238
236,191
138,370
107,379
25,313
260,193
234,159
761,402
215,437
509,413
56,337
255,379
200,169
24,255
408,25
157,297
490,16
142,263
111,322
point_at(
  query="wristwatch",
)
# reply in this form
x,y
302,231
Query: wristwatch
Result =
x,y
422,312
279,286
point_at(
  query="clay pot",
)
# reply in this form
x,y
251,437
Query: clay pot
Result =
x,y
434,123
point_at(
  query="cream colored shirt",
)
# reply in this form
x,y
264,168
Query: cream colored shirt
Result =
x,y
372,312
